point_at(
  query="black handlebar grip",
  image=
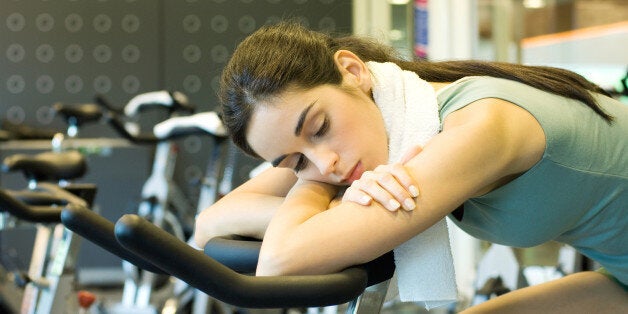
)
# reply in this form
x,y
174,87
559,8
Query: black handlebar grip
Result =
x,y
206,274
100,231
113,116
100,100
242,254
116,122
37,198
42,214
238,253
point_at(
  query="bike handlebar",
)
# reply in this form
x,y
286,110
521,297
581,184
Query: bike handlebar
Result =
x,y
238,253
202,123
48,202
100,231
206,274
176,101
32,213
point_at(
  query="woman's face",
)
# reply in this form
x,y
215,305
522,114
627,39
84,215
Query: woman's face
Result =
x,y
325,134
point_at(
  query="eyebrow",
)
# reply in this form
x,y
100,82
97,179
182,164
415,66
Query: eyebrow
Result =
x,y
297,131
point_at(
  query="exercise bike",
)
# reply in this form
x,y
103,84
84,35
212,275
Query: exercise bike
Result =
x,y
163,202
223,269
49,282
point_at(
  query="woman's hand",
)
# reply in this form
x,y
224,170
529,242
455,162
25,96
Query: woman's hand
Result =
x,y
390,185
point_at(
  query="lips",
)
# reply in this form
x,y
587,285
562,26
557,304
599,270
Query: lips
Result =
x,y
355,173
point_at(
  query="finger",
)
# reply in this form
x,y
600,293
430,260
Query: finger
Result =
x,y
403,176
397,190
357,196
379,194
402,192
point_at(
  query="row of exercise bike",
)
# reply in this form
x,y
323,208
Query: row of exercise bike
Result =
x,y
154,242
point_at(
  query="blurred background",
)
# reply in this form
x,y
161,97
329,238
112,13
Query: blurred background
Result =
x,y
67,51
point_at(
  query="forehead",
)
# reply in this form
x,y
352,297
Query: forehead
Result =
x,y
272,124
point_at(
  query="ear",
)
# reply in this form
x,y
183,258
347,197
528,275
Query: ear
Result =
x,y
353,70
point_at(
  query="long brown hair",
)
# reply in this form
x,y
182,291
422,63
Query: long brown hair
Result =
x,y
286,54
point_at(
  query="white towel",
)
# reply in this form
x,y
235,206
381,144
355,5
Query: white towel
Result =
x,y
425,269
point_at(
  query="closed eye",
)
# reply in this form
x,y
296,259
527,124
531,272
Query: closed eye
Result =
x,y
301,163
323,129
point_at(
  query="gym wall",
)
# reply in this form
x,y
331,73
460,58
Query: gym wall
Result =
x,y
69,50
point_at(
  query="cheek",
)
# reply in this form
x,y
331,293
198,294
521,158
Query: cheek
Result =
x,y
364,145
374,146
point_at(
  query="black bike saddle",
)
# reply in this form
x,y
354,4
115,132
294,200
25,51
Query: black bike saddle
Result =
x,y
47,166
79,113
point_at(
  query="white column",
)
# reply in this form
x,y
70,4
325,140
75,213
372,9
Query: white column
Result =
x,y
453,29
464,28
372,18
503,30
439,31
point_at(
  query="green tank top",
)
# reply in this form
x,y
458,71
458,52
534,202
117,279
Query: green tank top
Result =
x,y
576,194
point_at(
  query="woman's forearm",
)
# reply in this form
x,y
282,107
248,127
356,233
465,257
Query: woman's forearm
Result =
x,y
305,200
247,210
245,214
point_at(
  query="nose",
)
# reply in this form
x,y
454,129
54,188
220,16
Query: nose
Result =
x,y
325,160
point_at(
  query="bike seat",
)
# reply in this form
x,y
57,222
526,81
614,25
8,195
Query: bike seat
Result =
x,y
11,131
205,123
47,166
79,114
175,101
4,135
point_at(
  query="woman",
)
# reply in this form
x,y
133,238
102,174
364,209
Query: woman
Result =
x,y
524,155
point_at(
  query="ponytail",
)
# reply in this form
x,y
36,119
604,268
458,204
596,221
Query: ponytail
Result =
x,y
279,56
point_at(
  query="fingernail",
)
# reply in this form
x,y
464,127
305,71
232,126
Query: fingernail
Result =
x,y
393,205
409,204
365,200
414,191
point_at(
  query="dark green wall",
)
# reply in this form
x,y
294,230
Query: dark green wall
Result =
x,y
69,50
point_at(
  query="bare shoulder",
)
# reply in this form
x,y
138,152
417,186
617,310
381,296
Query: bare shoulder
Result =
x,y
519,131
